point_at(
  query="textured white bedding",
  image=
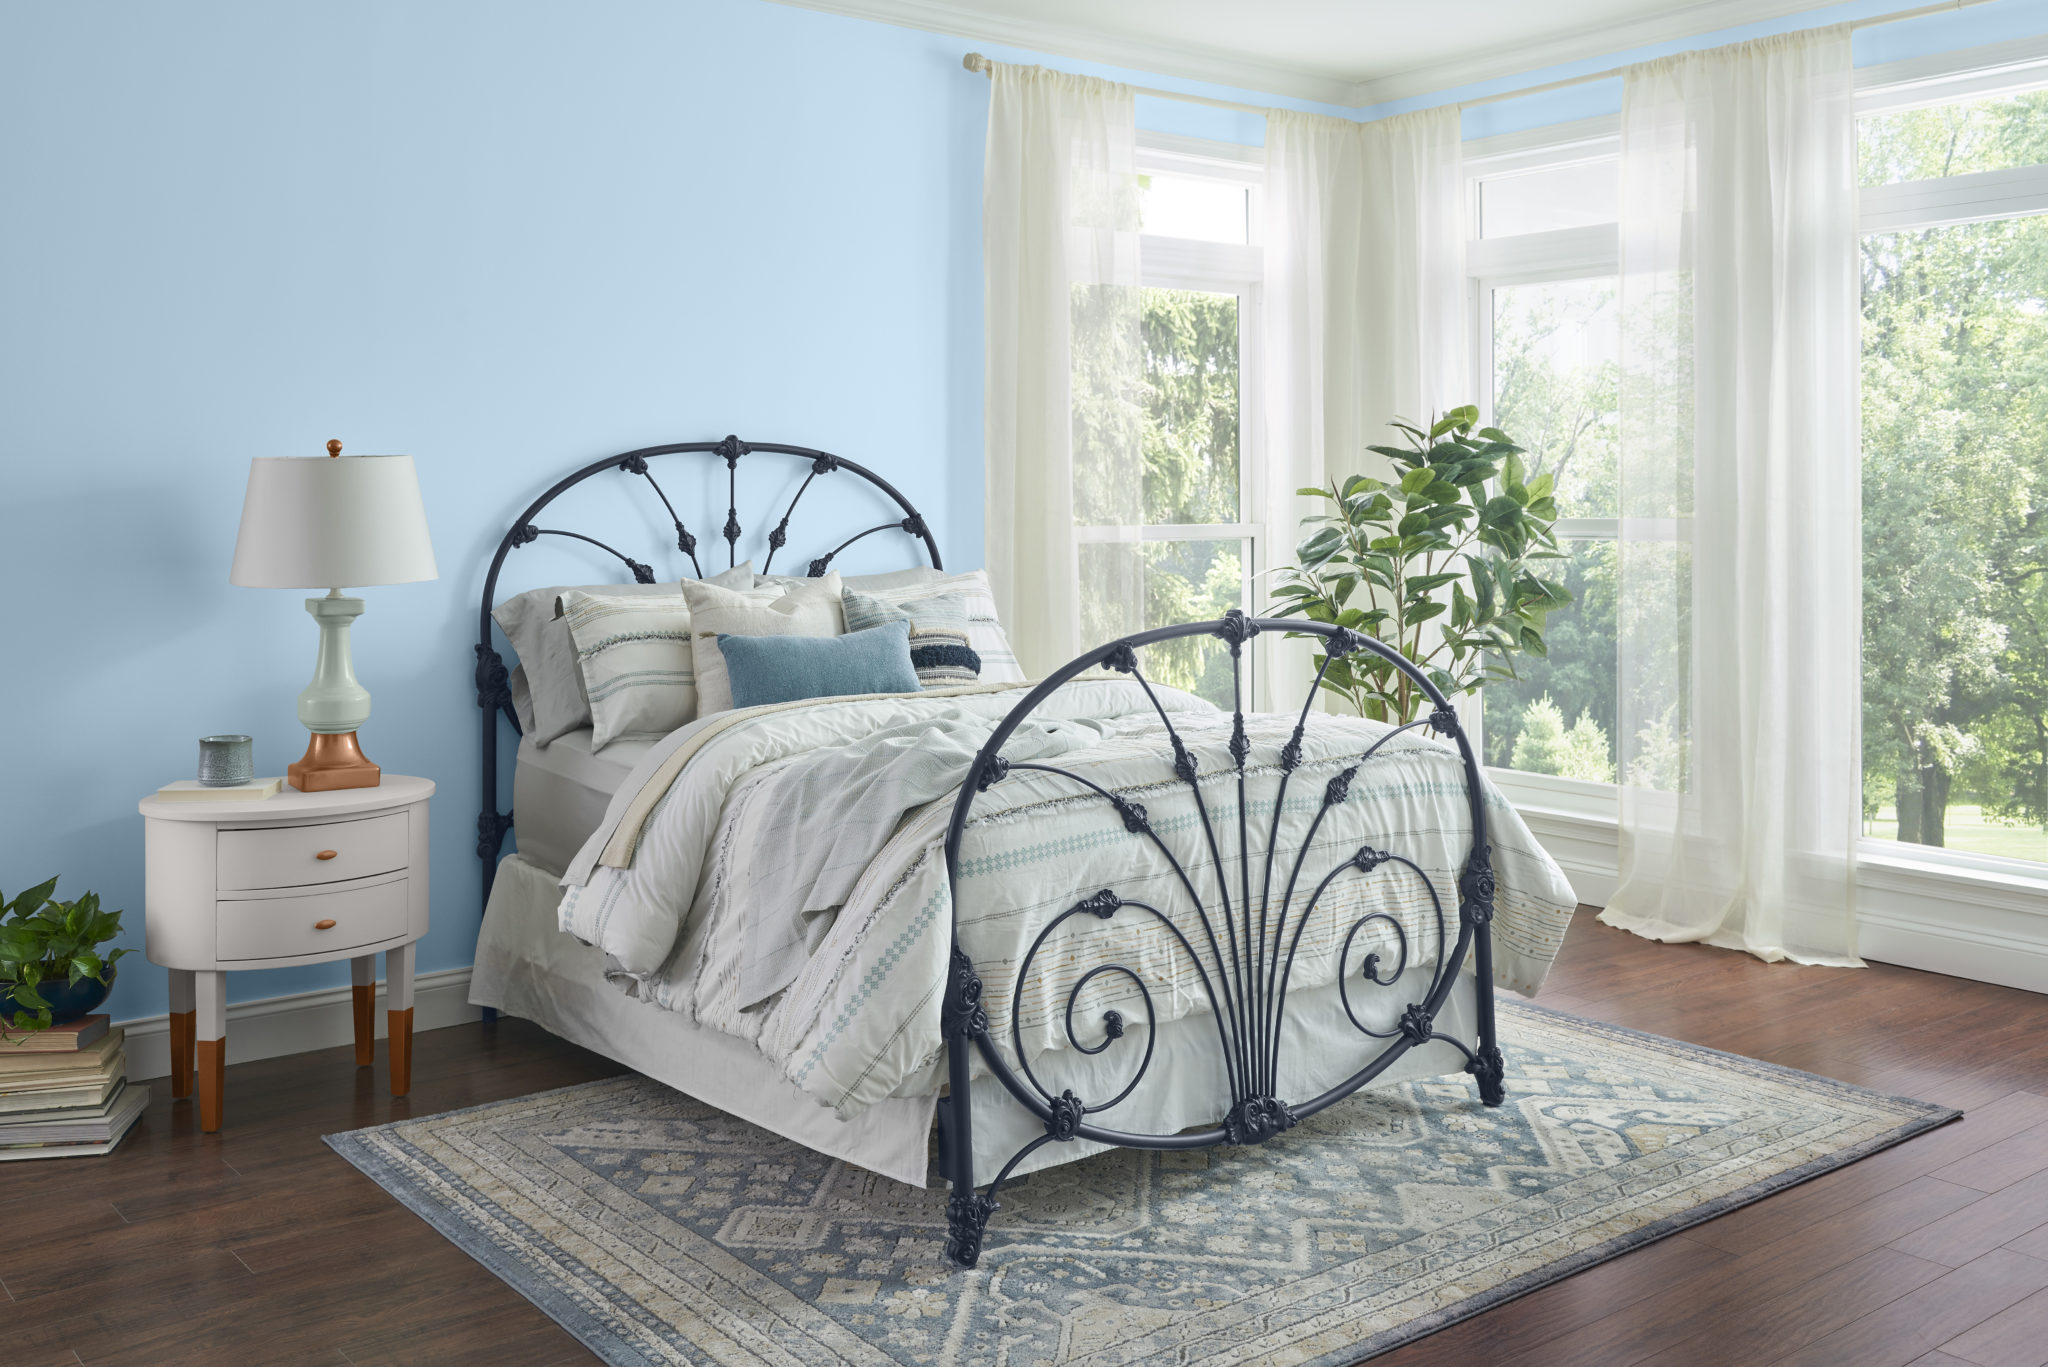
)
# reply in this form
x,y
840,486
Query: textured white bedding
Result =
x,y
860,1024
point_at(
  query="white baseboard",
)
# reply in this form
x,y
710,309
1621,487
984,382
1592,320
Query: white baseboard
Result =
x,y
1914,913
301,1021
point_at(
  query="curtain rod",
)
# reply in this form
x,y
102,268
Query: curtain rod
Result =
x,y
974,61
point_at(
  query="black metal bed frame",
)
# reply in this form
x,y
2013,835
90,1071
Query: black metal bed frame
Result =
x,y
493,680
1247,994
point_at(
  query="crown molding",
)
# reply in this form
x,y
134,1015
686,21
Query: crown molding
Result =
x,y
1324,87
1091,45
1578,45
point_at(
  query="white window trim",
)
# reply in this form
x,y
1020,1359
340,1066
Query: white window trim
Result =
x,y
1225,268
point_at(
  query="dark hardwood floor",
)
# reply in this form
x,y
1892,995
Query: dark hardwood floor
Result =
x,y
258,1245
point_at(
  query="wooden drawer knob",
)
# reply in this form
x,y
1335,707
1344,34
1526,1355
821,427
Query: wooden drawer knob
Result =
x,y
323,925
327,854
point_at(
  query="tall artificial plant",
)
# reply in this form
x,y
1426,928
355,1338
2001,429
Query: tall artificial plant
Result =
x,y
1446,562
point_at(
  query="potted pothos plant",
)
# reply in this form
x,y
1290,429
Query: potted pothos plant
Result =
x,y
1448,562
52,966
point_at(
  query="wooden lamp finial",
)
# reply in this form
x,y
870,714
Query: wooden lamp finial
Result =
x,y
334,447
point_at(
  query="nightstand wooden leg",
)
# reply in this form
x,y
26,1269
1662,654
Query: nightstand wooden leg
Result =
x,y
398,1000
211,993
363,988
182,1019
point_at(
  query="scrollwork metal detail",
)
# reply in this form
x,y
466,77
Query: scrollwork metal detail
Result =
x,y
1067,1115
966,1222
490,833
998,769
1476,888
1417,1023
1255,1119
963,1013
1136,819
1103,904
493,680
1489,1069
1235,629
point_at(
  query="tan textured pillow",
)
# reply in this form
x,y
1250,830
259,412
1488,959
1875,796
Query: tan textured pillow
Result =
x,y
634,653
810,608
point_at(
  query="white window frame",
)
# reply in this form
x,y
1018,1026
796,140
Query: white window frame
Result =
x,y
1585,253
1974,916
1975,197
1223,268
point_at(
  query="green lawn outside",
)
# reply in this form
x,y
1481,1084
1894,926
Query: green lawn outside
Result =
x,y
1968,830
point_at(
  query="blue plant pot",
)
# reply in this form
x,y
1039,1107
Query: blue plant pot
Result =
x,y
68,1001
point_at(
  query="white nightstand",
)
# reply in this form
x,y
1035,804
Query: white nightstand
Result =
x,y
300,878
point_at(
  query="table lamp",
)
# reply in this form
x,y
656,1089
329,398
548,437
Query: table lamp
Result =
x,y
332,522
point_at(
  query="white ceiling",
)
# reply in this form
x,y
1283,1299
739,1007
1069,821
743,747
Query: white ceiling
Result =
x,y
1346,52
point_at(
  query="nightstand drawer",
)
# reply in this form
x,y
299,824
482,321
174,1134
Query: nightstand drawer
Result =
x,y
295,856
312,923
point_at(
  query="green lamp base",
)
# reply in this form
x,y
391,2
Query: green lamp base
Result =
x,y
333,706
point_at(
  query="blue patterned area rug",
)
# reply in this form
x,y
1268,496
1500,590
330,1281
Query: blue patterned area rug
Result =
x,y
658,1230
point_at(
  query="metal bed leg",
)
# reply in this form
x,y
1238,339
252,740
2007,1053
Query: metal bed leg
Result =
x,y
966,1213
1488,1067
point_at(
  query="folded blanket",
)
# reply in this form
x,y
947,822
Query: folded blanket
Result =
x,y
815,827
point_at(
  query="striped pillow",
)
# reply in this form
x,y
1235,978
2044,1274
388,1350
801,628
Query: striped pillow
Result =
x,y
634,655
984,632
938,633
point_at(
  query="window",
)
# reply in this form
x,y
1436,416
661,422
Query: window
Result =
x,y
1196,551
1955,475
1547,365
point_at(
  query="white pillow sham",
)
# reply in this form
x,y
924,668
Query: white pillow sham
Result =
x,y
808,607
635,658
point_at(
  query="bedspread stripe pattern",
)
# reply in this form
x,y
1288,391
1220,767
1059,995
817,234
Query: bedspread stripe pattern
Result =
x,y
860,1020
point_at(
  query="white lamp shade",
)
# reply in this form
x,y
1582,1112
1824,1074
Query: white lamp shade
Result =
x,y
332,522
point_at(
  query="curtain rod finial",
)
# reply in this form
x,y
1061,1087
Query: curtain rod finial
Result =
x,y
974,61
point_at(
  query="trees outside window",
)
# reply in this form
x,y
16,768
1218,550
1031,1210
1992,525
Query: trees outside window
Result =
x,y
1955,480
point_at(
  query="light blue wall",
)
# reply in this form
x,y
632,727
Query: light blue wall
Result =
x,y
503,237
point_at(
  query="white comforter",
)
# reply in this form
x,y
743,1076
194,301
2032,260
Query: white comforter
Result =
x,y
657,887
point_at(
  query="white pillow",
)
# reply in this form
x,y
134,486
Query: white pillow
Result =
x,y
984,632
635,659
808,607
914,577
532,622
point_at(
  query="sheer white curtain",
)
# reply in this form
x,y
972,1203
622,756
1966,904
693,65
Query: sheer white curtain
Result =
x,y
1365,308
1065,377
1740,533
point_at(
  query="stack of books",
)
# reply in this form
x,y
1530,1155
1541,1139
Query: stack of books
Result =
x,y
64,1091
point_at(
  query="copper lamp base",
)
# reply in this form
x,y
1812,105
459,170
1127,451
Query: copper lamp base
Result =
x,y
332,760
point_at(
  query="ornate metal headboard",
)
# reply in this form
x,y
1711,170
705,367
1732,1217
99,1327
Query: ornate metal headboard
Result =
x,y
493,682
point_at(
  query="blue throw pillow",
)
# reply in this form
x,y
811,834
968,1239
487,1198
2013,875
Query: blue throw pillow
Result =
x,y
767,669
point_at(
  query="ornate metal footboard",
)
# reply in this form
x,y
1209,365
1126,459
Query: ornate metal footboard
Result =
x,y
1240,946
